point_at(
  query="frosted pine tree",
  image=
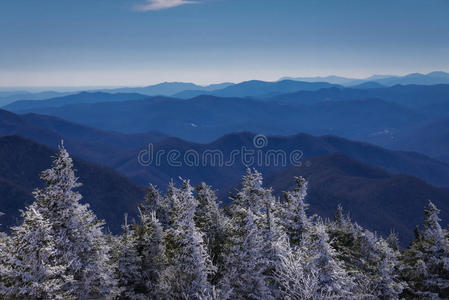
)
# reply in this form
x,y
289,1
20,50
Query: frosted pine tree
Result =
x,y
276,246
388,284
295,280
252,195
5,256
34,270
189,264
151,251
211,221
154,202
393,241
245,262
367,257
293,212
426,261
129,271
322,259
77,234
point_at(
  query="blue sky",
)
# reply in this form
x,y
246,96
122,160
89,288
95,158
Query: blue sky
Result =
x,y
138,42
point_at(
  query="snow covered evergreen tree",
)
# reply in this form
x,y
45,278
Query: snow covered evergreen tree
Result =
x,y
293,213
34,272
253,195
129,266
322,258
295,280
246,264
426,261
189,264
276,246
154,202
76,235
389,285
151,250
211,221
5,261
368,258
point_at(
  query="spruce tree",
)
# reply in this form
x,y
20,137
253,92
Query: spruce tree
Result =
x,y
5,261
293,212
211,221
246,263
77,234
425,264
35,272
275,246
322,258
154,202
295,280
151,250
189,264
252,195
129,266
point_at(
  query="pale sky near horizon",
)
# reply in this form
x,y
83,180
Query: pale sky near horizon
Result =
x,y
142,42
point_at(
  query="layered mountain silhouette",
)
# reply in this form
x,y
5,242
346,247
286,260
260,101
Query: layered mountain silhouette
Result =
x,y
206,118
398,117
84,97
84,142
373,197
169,88
437,77
221,162
411,96
258,89
431,139
9,97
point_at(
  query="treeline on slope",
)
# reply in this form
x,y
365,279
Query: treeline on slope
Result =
x,y
186,247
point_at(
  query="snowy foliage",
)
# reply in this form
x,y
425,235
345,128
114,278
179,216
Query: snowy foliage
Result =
x,y
185,245
65,239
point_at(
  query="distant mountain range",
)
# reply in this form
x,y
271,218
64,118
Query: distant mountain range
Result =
x,y
431,78
83,97
9,97
385,116
169,88
187,90
258,89
206,118
21,161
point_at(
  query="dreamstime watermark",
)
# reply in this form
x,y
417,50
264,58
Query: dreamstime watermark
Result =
x,y
257,156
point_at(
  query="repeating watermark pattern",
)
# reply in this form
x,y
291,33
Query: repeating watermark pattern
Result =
x,y
257,156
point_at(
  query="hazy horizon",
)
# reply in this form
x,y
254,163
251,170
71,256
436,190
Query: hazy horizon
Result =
x,y
55,43
69,88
